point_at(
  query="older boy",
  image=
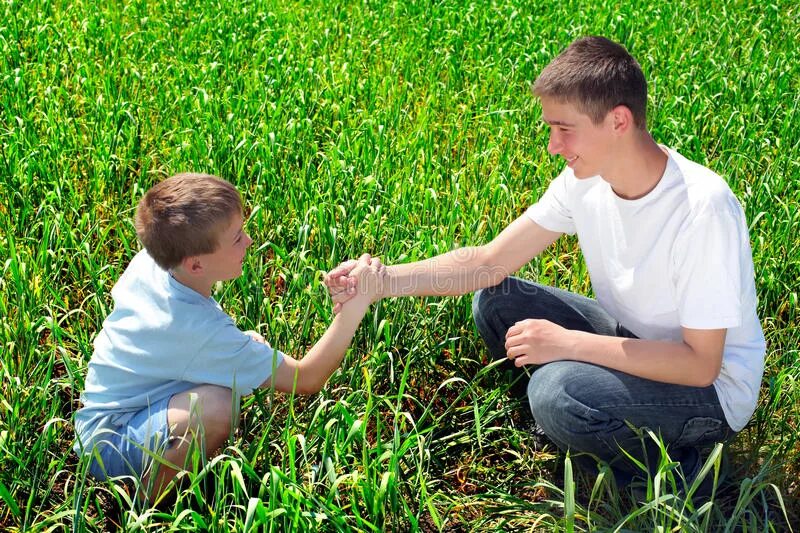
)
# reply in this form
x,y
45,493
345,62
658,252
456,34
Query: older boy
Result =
x,y
672,341
169,366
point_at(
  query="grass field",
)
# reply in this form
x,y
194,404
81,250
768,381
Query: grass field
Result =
x,y
403,129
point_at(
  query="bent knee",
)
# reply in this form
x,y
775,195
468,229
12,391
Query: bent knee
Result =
x,y
218,406
550,393
479,303
209,406
484,300
565,404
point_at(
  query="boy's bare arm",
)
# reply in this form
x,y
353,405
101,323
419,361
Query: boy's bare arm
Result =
x,y
456,272
309,374
694,361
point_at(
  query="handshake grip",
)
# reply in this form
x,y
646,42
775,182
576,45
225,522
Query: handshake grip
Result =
x,y
361,278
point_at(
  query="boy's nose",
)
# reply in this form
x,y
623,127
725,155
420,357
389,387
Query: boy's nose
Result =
x,y
554,144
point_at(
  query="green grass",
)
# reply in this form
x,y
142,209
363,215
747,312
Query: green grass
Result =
x,y
400,128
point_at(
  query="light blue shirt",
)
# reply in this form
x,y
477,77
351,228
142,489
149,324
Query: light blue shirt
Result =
x,y
163,338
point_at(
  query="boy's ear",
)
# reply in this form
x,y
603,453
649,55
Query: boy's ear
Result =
x,y
622,119
192,265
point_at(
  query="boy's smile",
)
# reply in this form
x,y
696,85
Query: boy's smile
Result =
x,y
583,144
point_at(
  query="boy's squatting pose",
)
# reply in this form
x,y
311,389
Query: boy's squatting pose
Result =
x,y
672,341
169,366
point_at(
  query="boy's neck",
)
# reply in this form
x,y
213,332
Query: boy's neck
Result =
x,y
197,283
641,166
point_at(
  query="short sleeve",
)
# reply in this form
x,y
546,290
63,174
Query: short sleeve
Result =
x,y
552,211
231,358
707,268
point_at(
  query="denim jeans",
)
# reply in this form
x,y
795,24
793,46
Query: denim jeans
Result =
x,y
592,409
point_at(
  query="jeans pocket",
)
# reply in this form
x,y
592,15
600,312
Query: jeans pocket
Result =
x,y
701,431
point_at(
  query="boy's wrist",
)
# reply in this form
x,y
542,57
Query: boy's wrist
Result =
x,y
384,289
358,304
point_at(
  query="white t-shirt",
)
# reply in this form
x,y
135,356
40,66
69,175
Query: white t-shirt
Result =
x,y
678,257
163,338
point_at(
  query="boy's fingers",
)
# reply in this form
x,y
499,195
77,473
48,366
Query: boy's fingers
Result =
x,y
349,288
341,297
335,292
337,282
334,277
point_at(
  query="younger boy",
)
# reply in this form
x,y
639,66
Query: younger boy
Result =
x,y
169,365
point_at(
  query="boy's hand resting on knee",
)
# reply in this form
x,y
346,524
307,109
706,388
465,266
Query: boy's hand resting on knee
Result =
x,y
536,342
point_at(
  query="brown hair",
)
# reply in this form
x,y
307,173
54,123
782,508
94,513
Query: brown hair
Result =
x,y
184,215
596,75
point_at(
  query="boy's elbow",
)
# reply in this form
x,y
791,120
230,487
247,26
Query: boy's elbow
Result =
x,y
300,388
709,374
308,381
306,388
491,269
294,377
707,348
712,377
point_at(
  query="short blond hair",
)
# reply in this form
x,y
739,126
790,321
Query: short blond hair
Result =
x,y
184,215
596,75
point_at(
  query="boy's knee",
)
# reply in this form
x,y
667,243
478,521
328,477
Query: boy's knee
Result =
x,y
484,301
552,403
218,410
546,394
206,406
477,312
563,404
486,315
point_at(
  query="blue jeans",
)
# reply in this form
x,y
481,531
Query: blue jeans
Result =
x,y
589,408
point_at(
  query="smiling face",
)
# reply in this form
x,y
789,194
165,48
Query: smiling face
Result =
x,y
585,146
226,261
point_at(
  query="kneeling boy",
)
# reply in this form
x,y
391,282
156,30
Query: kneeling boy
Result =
x,y
169,365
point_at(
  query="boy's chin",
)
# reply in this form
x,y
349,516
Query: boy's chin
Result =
x,y
233,275
582,173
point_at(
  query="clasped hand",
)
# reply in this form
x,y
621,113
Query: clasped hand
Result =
x,y
352,278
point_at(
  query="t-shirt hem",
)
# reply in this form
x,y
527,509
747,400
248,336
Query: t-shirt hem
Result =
x,y
278,357
736,423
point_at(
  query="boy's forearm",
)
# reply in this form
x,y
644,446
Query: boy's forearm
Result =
x,y
665,361
450,274
326,355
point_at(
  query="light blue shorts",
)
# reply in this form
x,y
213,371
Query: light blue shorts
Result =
x,y
129,450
